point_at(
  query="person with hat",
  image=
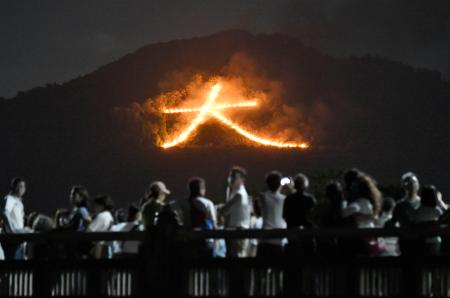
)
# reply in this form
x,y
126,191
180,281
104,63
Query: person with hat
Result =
x,y
156,202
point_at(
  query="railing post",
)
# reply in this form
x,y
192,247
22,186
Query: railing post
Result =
x,y
160,269
42,273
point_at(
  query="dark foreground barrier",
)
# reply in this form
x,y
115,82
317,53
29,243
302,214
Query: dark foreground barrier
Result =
x,y
165,268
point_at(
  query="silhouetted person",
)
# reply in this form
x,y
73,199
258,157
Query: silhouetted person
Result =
x,y
202,214
328,214
120,215
236,211
427,215
272,202
13,216
409,203
403,210
298,206
158,210
349,178
79,218
202,210
330,209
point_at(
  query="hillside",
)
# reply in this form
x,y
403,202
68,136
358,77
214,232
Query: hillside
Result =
x,y
376,114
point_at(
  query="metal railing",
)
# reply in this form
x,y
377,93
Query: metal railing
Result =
x,y
164,269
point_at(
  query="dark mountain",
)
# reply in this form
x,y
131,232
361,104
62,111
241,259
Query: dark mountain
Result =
x,y
382,116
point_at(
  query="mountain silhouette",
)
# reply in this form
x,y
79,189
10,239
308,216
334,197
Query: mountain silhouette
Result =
x,y
379,115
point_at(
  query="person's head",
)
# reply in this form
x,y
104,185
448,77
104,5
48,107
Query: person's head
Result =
x,y
79,196
18,187
120,215
350,177
334,193
61,217
388,205
273,181
237,176
197,187
30,218
158,190
429,196
103,203
43,223
410,184
301,182
133,213
365,187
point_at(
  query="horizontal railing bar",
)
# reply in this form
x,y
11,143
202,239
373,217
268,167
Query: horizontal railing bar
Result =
x,y
184,235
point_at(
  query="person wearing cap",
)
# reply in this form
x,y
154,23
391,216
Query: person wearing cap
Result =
x,y
155,204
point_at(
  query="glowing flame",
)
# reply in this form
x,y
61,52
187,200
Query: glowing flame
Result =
x,y
253,137
199,119
209,108
244,104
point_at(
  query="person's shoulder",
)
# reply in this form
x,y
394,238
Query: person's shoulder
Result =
x,y
83,210
281,196
309,196
206,201
106,215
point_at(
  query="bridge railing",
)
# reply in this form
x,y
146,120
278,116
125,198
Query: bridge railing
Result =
x,y
163,269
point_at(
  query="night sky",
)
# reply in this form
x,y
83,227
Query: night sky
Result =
x,y
55,41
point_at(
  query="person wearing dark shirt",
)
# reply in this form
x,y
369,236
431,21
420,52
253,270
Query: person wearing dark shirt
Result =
x,y
403,210
409,203
297,212
298,206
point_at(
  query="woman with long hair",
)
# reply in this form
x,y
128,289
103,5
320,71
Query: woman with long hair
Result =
x,y
364,211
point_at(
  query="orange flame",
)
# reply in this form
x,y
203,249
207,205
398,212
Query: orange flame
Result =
x,y
244,104
209,108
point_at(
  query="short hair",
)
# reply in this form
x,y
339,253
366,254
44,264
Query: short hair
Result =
x,y
237,170
409,175
105,201
83,193
301,181
15,182
120,215
194,185
429,196
273,180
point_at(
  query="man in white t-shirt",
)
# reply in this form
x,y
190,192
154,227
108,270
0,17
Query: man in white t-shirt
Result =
x,y
236,211
13,216
272,203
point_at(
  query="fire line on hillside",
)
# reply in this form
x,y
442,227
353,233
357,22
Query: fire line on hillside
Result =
x,y
211,108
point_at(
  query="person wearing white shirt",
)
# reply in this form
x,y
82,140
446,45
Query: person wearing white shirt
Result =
x,y
13,215
104,220
126,248
363,209
272,203
236,210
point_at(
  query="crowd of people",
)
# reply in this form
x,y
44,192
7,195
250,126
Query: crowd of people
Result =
x,y
353,200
